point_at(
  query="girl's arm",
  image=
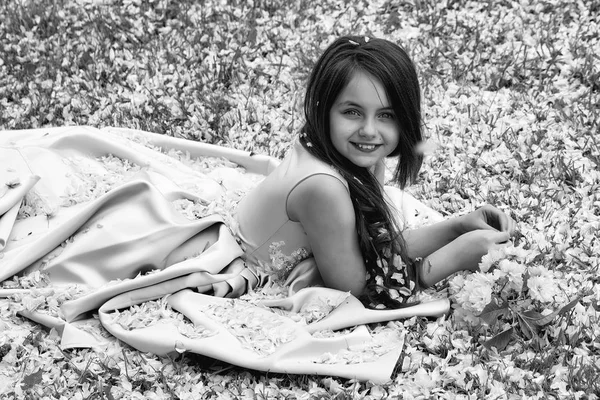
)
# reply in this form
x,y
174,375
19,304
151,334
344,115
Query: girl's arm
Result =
x,y
459,243
322,205
462,254
424,241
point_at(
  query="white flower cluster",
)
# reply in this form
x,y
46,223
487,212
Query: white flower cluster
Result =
x,y
508,276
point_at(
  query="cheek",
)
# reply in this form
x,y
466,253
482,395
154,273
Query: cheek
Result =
x,y
337,140
395,141
338,124
339,129
392,137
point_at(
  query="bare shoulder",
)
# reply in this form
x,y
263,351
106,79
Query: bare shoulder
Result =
x,y
320,196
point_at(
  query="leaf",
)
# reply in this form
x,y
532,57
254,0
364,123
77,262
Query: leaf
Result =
x,y
4,349
569,306
541,320
252,36
107,392
29,381
532,315
528,329
500,341
493,311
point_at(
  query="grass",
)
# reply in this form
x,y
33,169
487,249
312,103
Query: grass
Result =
x,y
511,97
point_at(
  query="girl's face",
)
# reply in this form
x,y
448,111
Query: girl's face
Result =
x,y
363,126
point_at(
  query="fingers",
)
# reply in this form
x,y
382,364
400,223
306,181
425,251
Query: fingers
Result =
x,y
490,218
502,237
512,226
484,223
507,224
494,237
499,220
504,221
502,245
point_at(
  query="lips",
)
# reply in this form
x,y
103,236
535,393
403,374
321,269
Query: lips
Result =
x,y
366,147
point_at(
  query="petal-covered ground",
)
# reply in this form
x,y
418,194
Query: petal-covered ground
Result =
x,y
512,111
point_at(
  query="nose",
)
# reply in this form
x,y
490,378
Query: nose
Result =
x,y
368,129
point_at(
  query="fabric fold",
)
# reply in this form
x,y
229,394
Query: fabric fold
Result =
x,y
12,193
7,221
204,269
300,353
107,237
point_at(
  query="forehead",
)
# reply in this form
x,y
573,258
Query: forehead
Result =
x,y
365,90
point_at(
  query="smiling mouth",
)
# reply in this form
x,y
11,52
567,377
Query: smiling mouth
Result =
x,y
366,147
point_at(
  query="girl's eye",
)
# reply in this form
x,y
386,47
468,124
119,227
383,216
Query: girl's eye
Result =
x,y
352,111
387,115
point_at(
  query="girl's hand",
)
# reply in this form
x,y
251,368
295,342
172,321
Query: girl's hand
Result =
x,y
487,218
475,244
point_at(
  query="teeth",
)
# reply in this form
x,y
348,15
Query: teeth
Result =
x,y
365,146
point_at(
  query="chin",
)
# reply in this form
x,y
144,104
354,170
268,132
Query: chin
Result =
x,y
364,164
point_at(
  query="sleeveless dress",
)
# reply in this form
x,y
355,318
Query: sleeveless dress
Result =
x,y
271,241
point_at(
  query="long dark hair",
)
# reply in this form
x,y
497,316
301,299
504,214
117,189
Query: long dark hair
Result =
x,y
380,239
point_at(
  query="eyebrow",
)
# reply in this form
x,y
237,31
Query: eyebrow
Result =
x,y
353,104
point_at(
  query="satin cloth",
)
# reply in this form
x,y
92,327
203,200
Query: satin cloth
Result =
x,y
110,244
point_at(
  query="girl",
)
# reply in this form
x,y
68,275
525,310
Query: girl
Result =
x,y
325,202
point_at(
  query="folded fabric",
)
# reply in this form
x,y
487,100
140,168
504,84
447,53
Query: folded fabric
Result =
x,y
254,337
126,223
12,192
